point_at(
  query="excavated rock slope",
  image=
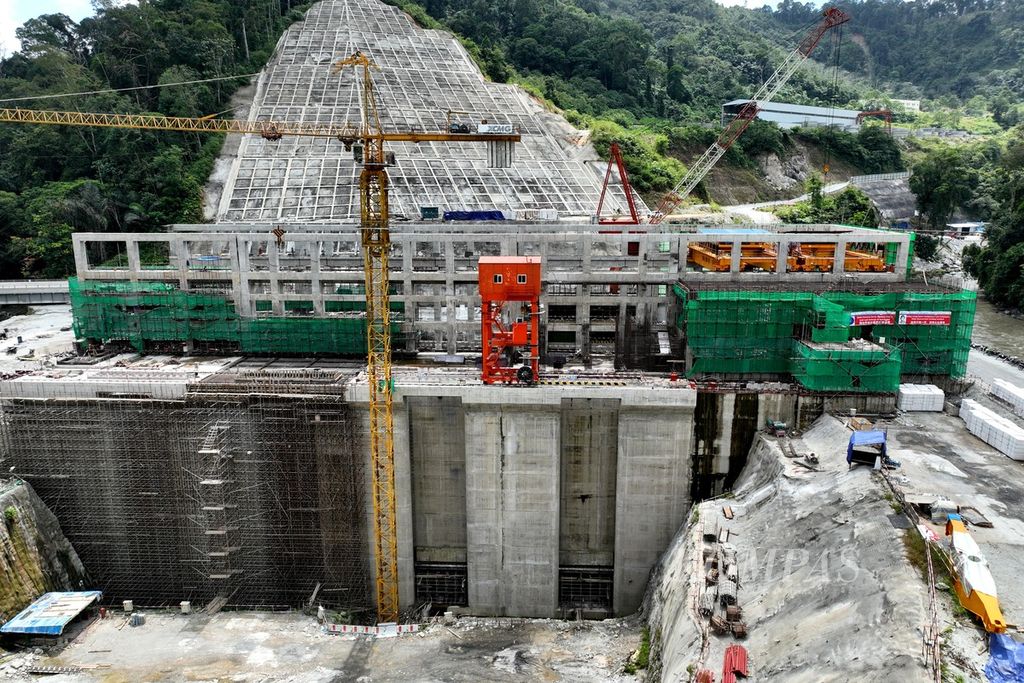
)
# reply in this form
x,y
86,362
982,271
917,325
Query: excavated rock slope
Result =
x,y
35,557
826,590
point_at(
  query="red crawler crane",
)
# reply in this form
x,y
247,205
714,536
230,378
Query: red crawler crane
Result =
x,y
504,280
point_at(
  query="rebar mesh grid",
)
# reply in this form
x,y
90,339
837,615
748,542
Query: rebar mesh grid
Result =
x,y
239,493
423,75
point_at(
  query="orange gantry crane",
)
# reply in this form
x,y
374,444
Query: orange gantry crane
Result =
x,y
615,157
376,241
883,114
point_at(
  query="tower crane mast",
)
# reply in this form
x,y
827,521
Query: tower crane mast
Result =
x,y
376,241
831,18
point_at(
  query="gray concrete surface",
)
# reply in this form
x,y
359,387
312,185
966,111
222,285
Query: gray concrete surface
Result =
x,y
825,589
34,292
422,75
255,647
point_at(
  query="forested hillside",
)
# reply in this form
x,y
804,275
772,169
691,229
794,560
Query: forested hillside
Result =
x,y
650,74
55,180
951,50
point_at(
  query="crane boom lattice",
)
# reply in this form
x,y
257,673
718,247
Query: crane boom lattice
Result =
x,y
832,17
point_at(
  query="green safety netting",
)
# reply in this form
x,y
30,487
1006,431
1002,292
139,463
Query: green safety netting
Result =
x,y
148,313
746,332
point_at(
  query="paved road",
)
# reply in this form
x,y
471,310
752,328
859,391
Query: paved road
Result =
x,y
986,368
759,217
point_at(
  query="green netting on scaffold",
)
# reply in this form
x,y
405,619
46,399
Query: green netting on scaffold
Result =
x,y
746,332
831,368
145,314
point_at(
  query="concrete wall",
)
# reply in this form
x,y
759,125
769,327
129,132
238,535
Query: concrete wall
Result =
x,y
554,476
438,457
589,453
652,493
512,520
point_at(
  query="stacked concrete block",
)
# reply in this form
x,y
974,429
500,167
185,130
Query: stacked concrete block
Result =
x,y
920,398
1009,392
996,431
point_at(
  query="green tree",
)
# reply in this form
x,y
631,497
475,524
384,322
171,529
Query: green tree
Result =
x,y
814,186
942,182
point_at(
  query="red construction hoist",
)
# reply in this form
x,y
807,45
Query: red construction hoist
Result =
x,y
633,218
508,330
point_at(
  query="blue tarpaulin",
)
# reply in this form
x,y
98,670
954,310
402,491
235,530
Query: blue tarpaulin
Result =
x,y
474,216
1006,659
872,437
51,613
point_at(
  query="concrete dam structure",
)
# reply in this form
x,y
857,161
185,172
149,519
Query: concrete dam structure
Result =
x,y
247,481
209,442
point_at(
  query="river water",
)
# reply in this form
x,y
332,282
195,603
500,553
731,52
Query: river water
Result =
x,y
998,331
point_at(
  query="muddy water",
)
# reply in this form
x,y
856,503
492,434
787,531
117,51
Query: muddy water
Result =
x,y
998,331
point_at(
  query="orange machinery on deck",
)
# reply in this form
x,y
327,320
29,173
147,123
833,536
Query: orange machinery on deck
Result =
x,y
802,258
504,280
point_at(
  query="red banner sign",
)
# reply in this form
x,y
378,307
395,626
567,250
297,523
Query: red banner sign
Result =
x,y
872,318
924,317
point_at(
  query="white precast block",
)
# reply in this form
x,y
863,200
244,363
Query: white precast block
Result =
x,y
920,397
1009,392
993,429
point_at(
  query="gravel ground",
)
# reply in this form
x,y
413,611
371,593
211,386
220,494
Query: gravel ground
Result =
x,y
261,646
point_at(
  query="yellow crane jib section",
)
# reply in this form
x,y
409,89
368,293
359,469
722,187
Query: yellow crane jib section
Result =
x,y
973,581
272,130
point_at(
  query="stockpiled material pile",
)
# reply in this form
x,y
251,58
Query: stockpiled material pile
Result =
x,y
921,398
1009,392
993,429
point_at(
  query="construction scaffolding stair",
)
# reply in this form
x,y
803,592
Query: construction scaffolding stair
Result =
x,y
219,519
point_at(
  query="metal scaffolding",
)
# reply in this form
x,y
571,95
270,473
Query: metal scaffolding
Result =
x,y
251,490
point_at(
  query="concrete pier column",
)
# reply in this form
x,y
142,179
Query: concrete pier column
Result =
x,y
81,258
512,475
839,266
902,254
782,259
736,254
651,494
720,465
403,509
134,262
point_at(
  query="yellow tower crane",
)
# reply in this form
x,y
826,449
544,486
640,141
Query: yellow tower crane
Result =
x,y
376,240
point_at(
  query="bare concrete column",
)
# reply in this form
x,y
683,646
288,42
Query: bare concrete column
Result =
x,y
512,509
652,493
782,259
737,253
274,259
403,509
902,255
81,258
315,248
181,247
839,265
241,275
720,464
134,262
